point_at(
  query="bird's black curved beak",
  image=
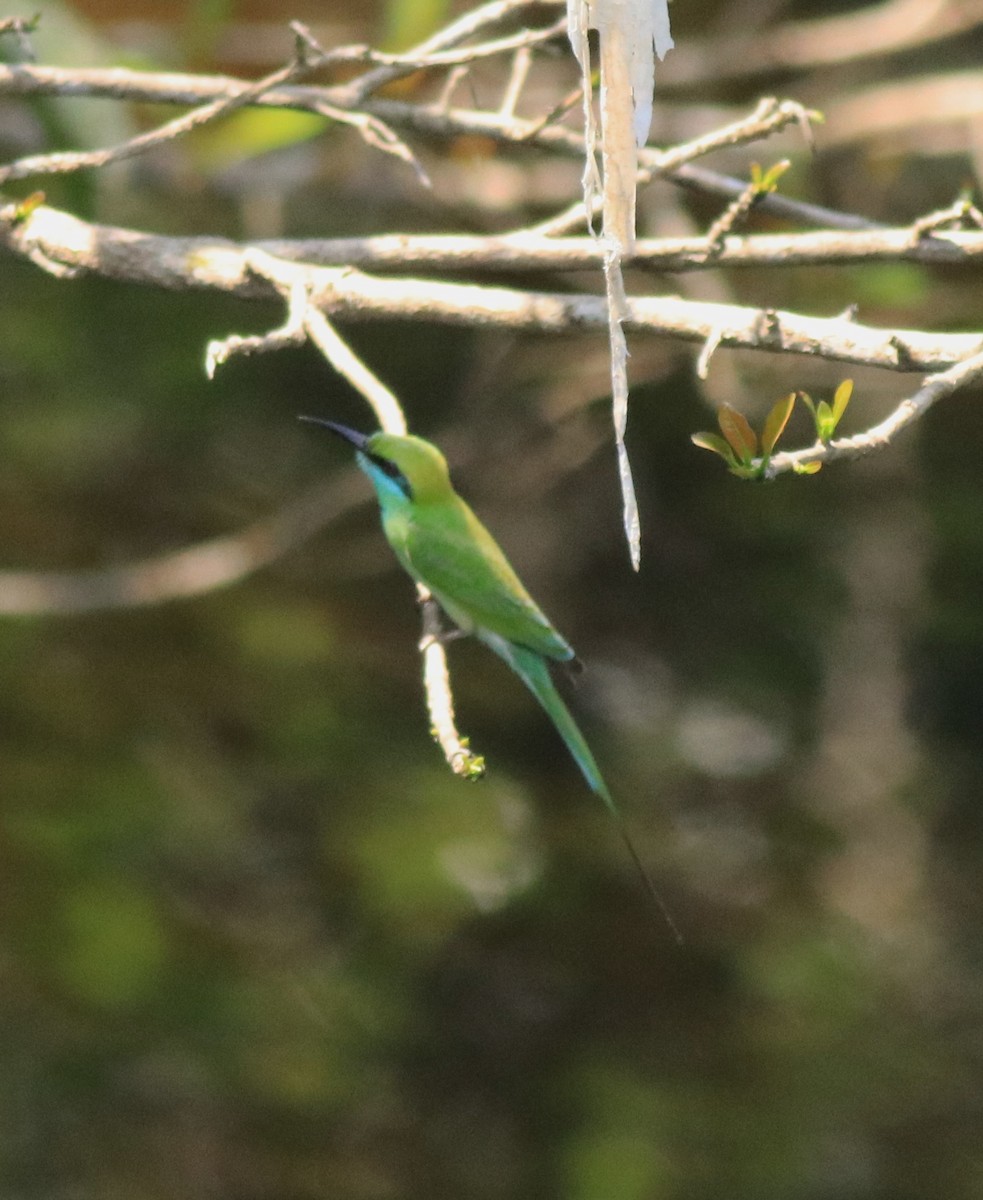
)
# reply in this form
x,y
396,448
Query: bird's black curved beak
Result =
x,y
351,436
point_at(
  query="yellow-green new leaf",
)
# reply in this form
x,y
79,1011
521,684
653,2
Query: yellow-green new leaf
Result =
x,y
824,420
841,398
735,428
714,442
767,181
775,423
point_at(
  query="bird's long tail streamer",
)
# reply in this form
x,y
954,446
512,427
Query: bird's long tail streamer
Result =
x,y
533,669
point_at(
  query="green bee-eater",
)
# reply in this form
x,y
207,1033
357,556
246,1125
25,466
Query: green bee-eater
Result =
x,y
442,544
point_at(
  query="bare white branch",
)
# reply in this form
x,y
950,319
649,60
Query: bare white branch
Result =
x,y
343,292
440,699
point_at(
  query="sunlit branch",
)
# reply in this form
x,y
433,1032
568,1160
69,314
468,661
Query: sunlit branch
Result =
x,y
172,262
125,255
440,698
527,251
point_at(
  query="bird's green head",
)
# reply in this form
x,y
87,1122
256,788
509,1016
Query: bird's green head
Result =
x,y
402,467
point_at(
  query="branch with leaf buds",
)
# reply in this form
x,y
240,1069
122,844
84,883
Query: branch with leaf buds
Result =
x,y
752,457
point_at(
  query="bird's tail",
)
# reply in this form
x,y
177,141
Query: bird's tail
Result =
x,y
534,671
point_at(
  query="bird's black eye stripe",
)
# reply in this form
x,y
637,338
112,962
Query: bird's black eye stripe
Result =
x,y
388,468
394,473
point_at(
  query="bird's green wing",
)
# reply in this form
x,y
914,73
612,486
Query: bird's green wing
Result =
x,y
453,554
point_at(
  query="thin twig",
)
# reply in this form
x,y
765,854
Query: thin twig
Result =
x,y
397,66
290,333
521,65
378,134
963,213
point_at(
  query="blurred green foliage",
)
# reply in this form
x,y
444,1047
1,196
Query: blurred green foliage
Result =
x,y
408,22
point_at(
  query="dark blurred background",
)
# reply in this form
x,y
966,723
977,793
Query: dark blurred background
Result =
x,y
255,940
